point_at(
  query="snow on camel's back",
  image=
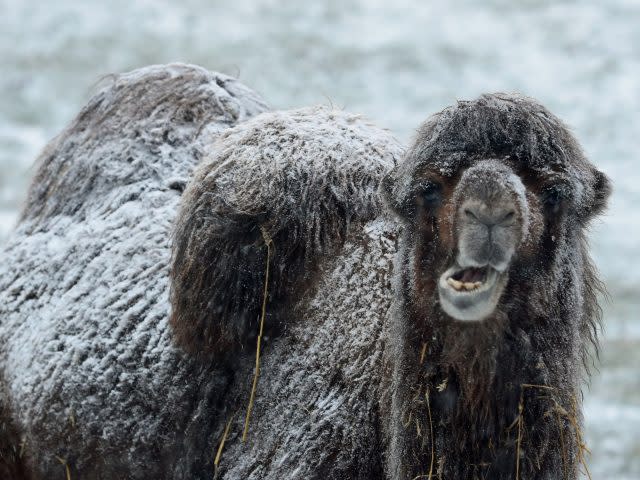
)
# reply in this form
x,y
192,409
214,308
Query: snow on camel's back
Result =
x,y
91,379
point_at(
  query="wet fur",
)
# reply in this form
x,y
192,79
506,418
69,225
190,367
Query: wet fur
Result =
x,y
122,161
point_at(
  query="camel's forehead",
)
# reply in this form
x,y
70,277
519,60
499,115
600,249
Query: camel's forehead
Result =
x,y
513,129
452,165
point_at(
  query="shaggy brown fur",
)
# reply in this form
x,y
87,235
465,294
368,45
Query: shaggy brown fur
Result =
x,y
498,398
11,447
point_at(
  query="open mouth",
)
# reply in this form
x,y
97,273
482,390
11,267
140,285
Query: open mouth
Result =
x,y
470,293
468,279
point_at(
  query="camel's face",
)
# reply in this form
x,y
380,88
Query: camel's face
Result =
x,y
471,226
490,221
492,190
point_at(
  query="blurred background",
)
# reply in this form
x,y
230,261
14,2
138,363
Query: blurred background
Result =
x,y
394,61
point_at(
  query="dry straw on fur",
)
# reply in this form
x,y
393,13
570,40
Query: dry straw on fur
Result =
x,y
269,244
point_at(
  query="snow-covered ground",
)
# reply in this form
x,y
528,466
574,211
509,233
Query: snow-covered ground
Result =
x,y
395,62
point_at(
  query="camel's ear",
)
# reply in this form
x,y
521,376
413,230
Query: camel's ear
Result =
x,y
395,197
386,188
600,195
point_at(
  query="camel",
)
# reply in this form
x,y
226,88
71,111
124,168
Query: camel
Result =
x,y
201,287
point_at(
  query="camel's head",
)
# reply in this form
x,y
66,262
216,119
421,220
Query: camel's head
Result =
x,y
490,189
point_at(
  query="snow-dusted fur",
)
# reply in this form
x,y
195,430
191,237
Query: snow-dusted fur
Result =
x,y
88,371
498,398
102,377
94,377
301,178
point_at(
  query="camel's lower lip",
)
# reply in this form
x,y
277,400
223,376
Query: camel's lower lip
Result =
x,y
469,300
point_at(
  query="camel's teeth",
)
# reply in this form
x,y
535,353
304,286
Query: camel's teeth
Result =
x,y
477,284
454,283
469,285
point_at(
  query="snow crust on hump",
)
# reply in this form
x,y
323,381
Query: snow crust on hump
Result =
x,y
146,126
85,353
302,177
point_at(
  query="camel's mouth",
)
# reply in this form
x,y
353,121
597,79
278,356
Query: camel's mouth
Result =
x,y
470,293
468,279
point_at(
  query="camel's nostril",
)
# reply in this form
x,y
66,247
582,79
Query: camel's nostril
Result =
x,y
470,214
508,217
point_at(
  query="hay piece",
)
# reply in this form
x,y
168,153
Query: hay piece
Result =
x,y
67,471
216,461
433,451
268,242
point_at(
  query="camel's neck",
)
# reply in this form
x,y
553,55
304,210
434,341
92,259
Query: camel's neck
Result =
x,y
487,400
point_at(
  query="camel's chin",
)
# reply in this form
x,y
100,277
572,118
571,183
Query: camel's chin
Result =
x,y
470,301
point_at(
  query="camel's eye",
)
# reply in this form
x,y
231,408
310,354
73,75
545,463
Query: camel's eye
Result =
x,y
552,198
430,195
